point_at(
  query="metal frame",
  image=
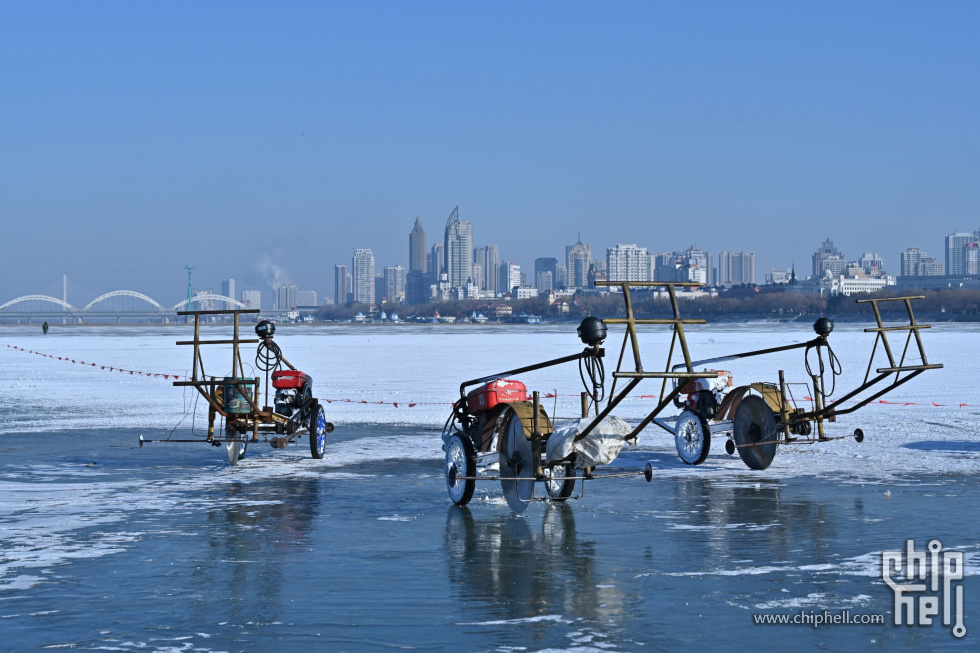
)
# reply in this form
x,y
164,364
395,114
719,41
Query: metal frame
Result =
x,y
258,419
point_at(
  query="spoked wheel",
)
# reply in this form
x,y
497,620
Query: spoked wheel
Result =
x,y
235,446
692,437
559,481
460,469
516,465
755,424
318,431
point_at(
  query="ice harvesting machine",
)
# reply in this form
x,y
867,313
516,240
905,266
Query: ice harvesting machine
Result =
x,y
498,427
235,397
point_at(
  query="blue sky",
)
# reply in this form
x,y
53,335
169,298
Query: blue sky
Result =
x,y
136,138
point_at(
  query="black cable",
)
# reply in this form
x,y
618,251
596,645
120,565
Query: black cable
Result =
x,y
268,356
835,367
593,366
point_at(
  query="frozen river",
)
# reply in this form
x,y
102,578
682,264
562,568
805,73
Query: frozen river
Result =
x,y
106,546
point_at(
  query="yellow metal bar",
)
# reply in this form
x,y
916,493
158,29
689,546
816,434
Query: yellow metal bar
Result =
x,y
619,320
888,299
907,327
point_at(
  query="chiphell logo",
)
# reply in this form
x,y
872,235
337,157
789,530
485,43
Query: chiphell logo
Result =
x,y
917,603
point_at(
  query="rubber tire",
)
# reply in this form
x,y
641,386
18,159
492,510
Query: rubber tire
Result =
x,y
235,453
318,431
460,450
567,487
746,430
694,418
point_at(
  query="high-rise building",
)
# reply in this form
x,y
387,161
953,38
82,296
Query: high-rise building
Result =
x,y
288,296
627,262
578,256
956,245
828,258
872,264
971,256
911,258
306,298
491,262
561,280
416,249
549,265
228,290
379,289
478,279
436,262
700,265
363,277
736,268
509,277
543,281
340,285
458,251
394,284
252,298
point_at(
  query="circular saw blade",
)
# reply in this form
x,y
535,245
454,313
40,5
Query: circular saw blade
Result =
x,y
516,462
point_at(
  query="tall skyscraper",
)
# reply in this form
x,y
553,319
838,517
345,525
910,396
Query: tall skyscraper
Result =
x,y
578,258
956,252
417,280
736,268
627,263
491,263
394,284
363,279
416,249
228,290
340,285
458,250
509,277
288,296
436,262
911,258
542,266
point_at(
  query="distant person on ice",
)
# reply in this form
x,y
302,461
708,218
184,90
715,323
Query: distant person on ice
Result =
x,y
44,327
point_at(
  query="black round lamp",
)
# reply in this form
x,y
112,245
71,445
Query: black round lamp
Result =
x,y
592,331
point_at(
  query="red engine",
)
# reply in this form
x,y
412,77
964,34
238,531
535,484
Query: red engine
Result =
x,y
498,391
288,379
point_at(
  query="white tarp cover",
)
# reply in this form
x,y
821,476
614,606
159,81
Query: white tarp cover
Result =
x,y
600,447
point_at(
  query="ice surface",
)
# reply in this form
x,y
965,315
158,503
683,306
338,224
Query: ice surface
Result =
x,y
420,369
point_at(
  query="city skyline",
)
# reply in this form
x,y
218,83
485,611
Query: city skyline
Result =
x,y
759,127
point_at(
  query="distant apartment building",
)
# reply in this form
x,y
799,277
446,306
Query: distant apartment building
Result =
x,y
872,264
543,282
363,276
597,272
509,277
956,252
578,257
252,298
627,262
458,250
545,269
828,258
916,263
340,285
306,298
228,290
736,268
287,296
394,279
